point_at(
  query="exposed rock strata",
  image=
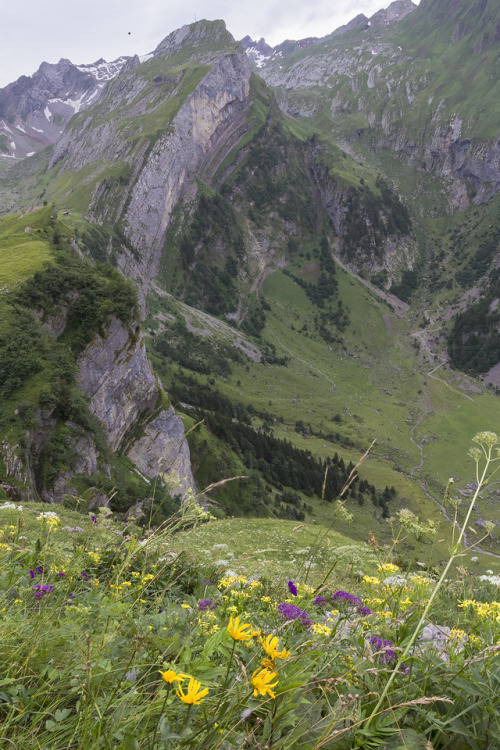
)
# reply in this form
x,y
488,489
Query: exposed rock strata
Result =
x,y
115,373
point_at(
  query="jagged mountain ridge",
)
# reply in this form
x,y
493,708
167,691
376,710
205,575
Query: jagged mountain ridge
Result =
x,y
423,86
34,110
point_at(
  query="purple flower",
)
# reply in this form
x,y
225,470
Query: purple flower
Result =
x,y
293,588
77,528
364,610
384,649
41,589
37,570
94,519
62,575
292,612
160,611
319,600
209,583
71,596
32,574
346,597
85,576
205,604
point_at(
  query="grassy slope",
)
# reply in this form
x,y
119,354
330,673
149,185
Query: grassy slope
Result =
x,y
423,425
22,250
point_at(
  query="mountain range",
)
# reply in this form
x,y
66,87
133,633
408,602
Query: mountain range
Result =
x,y
285,253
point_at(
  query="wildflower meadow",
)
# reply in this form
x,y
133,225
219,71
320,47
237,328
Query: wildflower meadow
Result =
x,y
113,638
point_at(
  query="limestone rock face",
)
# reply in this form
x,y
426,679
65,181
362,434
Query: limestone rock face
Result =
x,y
19,470
114,372
163,449
177,157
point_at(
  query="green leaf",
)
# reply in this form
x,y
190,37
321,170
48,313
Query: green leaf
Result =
x,y
130,742
61,714
213,643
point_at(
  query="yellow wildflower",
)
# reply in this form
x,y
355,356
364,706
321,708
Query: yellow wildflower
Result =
x,y
371,580
254,585
421,579
388,568
240,632
265,599
307,589
322,629
460,635
261,681
170,676
267,664
194,694
270,646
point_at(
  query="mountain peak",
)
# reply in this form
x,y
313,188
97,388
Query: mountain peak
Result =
x,y
394,12
201,38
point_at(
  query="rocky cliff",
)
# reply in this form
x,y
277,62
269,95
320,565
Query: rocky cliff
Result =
x,y
159,123
114,372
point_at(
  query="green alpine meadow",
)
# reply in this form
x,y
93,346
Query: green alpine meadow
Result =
x,y
249,391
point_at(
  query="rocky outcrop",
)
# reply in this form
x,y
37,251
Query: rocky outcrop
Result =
x,y
177,157
116,376
163,450
19,481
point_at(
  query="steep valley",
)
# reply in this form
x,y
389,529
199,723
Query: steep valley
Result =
x,y
275,265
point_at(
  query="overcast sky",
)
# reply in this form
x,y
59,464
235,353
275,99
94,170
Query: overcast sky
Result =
x,y
34,31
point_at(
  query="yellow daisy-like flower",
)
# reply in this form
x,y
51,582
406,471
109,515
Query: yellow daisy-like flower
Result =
x,y
240,632
170,676
194,695
261,681
323,629
387,568
270,646
267,664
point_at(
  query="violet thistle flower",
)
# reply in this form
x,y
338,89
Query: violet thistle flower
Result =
x,y
292,612
346,597
363,610
293,588
384,649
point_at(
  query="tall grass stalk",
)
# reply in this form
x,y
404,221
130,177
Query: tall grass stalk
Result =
x,y
487,442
